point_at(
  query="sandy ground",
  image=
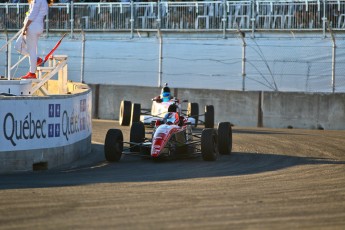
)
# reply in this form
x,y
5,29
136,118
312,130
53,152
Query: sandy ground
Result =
x,y
274,179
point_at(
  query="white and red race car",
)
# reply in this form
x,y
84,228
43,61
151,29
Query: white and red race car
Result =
x,y
172,138
132,112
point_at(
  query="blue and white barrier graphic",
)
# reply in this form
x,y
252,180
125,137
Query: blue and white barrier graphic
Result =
x,y
37,123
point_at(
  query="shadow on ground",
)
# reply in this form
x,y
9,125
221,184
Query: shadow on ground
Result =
x,y
94,169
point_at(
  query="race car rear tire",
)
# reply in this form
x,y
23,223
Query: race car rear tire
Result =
x,y
209,146
209,116
224,137
137,135
136,110
113,145
125,113
193,111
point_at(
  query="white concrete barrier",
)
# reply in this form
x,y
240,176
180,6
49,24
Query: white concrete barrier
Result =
x,y
250,108
304,110
46,132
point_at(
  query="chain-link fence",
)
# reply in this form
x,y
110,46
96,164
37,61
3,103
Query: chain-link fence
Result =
x,y
280,64
288,62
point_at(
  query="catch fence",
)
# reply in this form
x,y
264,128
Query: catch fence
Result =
x,y
220,16
290,61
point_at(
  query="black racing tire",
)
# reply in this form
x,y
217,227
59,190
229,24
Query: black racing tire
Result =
x,y
113,145
137,135
209,146
125,113
193,111
136,111
209,116
172,108
224,137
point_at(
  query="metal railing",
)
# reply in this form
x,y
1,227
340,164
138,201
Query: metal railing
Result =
x,y
57,64
255,15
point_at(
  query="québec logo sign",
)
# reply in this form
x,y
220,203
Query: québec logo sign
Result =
x,y
55,125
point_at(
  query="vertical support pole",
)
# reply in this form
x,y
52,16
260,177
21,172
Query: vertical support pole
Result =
x,y
6,61
72,18
9,61
224,19
132,19
244,44
62,79
253,18
160,66
158,15
244,65
324,19
82,57
333,65
334,47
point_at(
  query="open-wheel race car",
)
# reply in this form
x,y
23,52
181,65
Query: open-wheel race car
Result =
x,y
132,112
172,137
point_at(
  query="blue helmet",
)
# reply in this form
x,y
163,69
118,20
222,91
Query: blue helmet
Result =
x,y
165,94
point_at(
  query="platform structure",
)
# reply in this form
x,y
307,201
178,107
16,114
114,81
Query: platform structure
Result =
x,y
57,65
25,87
46,122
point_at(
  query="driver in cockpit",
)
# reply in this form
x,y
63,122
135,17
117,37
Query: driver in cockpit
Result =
x,y
165,95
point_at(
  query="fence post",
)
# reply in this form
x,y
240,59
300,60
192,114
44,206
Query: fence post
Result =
x,y
324,19
72,18
334,46
9,62
160,70
158,15
253,18
244,44
132,18
224,19
82,57
6,61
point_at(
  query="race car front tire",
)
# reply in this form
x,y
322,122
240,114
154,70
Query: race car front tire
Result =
x,y
193,111
113,145
224,137
136,110
137,135
209,116
125,113
209,146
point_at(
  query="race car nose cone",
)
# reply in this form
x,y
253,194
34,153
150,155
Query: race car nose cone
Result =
x,y
155,153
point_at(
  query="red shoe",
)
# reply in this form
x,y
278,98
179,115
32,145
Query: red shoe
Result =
x,y
29,76
39,61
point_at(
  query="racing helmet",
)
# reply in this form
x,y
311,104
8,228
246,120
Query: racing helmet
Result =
x,y
166,92
172,118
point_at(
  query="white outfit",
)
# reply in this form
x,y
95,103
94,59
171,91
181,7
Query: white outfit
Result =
x,y
27,45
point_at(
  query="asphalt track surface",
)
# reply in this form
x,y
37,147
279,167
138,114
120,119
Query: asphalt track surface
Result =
x,y
274,179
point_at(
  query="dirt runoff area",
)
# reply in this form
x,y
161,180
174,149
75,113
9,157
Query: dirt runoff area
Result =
x,y
274,179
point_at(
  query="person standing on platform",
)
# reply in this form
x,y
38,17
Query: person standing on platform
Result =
x,y
27,42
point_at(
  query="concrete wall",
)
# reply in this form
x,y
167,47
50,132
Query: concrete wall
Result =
x,y
301,110
250,108
45,132
24,160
